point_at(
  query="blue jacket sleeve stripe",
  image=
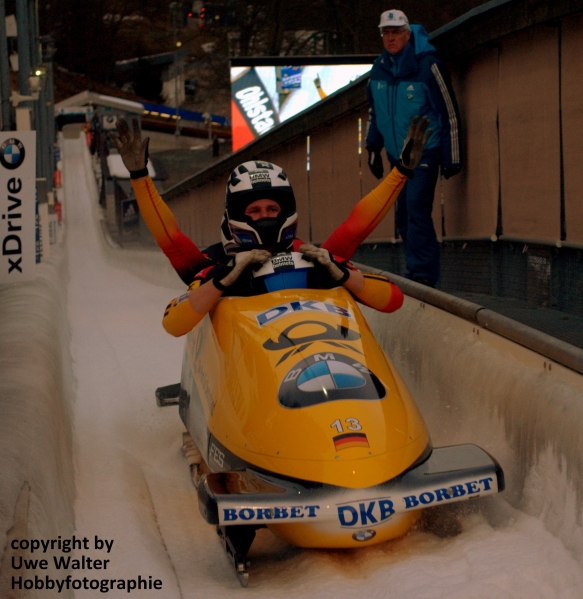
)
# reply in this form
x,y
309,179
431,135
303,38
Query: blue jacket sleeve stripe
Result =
x,y
453,122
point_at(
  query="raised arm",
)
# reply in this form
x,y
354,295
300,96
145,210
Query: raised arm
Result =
x,y
182,252
371,210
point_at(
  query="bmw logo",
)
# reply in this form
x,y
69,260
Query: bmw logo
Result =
x,y
364,535
327,377
12,153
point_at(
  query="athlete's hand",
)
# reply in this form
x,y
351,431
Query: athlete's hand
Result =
x,y
133,150
375,163
337,271
415,142
241,261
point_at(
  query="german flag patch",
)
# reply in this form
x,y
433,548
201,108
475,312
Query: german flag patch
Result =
x,y
348,440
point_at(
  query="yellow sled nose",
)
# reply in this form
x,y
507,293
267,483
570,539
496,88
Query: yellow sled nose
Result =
x,y
306,392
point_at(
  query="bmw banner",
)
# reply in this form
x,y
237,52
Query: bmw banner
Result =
x,y
17,205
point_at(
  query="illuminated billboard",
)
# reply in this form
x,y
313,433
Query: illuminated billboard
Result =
x,y
267,91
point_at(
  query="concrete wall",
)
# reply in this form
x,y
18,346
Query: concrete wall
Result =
x,y
521,101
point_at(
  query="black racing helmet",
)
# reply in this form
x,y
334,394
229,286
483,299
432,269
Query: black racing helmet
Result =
x,y
257,180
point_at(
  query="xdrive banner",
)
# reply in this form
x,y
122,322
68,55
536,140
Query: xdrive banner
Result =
x,y
17,205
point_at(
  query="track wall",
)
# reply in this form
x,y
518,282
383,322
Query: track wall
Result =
x,y
37,487
474,386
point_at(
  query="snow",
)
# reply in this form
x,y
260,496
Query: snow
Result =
x,y
133,485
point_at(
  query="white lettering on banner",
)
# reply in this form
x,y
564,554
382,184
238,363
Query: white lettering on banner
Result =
x,y
17,206
248,92
264,125
252,102
300,306
255,108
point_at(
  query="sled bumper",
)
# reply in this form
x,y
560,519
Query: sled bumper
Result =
x,y
246,497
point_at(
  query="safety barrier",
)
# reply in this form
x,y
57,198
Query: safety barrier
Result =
x,y
476,382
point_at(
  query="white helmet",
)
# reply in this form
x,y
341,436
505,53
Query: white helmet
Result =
x,y
251,181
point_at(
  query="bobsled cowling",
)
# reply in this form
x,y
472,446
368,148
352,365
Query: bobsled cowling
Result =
x,y
300,387
293,404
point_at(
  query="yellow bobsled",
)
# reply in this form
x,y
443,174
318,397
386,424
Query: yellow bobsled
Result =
x,y
305,426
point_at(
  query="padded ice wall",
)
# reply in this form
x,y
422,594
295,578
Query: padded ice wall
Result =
x,y
474,386
37,483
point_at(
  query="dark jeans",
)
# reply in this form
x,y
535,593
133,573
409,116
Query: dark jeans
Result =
x,y
415,225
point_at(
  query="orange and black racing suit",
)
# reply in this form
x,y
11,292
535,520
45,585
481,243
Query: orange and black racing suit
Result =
x,y
195,267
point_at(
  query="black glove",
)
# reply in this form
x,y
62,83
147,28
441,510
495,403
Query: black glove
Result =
x,y
375,163
451,171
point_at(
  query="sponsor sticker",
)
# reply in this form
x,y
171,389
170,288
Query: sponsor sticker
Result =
x,y
328,377
362,515
243,515
18,208
259,178
284,262
286,309
364,535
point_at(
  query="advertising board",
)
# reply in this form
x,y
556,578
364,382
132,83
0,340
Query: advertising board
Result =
x,y
264,95
17,206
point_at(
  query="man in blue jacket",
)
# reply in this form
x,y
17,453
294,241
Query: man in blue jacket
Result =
x,y
406,80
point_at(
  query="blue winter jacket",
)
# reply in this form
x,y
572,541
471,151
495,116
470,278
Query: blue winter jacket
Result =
x,y
413,82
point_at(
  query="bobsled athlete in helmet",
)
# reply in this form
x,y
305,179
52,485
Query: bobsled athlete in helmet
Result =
x,y
260,220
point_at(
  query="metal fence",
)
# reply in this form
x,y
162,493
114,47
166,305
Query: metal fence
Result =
x,y
533,274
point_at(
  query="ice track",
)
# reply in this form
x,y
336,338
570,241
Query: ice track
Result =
x,y
133,484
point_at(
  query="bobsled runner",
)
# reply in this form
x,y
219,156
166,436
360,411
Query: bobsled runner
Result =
x,y
299,422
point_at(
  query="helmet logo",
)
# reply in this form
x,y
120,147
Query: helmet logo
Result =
x,y
259,177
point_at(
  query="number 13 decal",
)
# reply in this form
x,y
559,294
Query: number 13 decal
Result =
x,y
353,425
